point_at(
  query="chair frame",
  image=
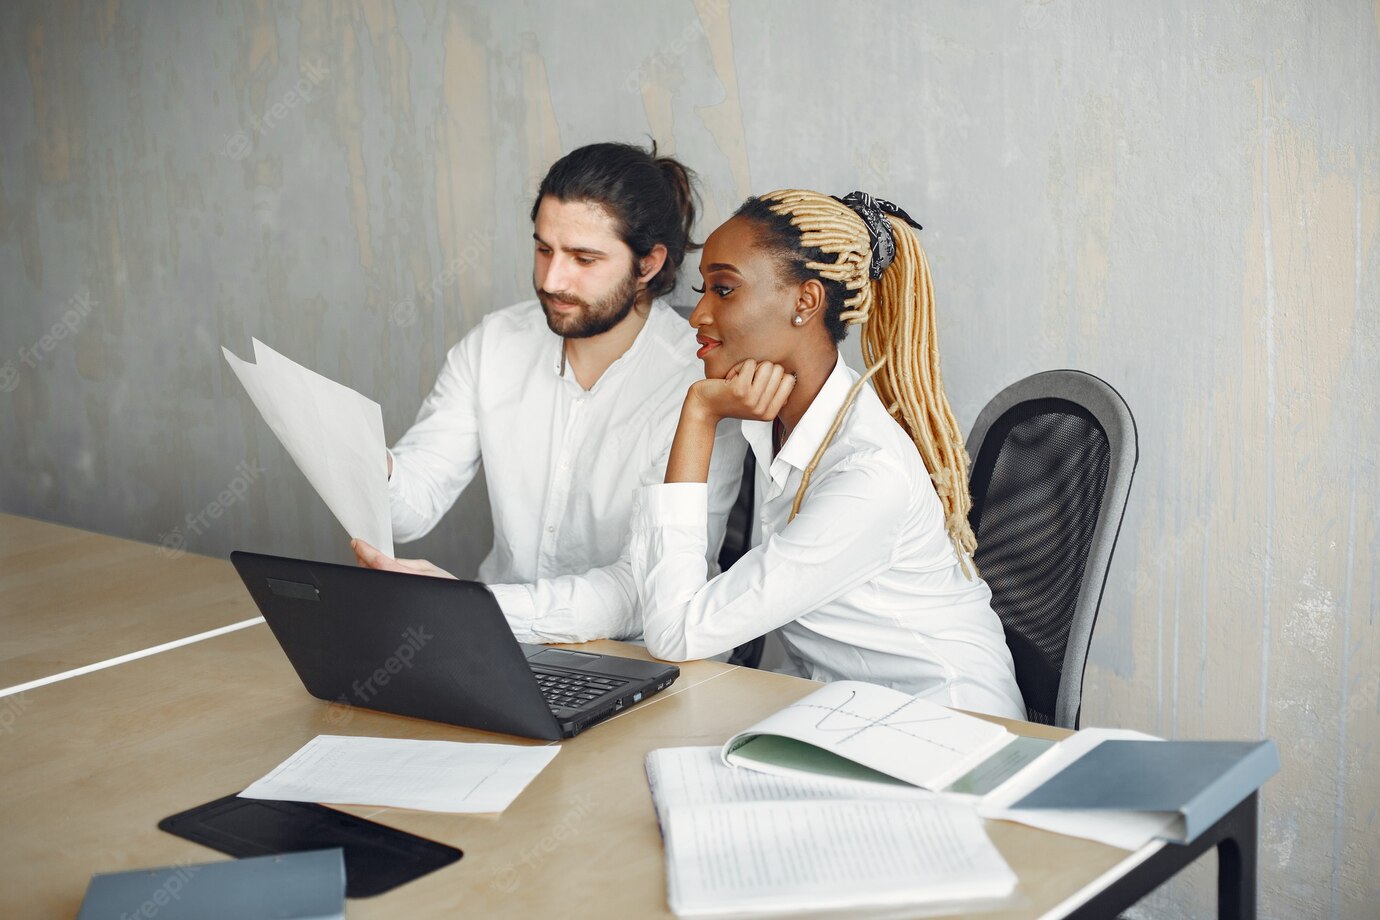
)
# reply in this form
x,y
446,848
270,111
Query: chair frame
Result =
x,y
1106,405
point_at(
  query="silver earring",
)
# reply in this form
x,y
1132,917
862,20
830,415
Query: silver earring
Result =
x,y
798,320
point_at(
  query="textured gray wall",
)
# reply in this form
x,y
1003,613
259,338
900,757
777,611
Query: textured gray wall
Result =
x,y
1182,198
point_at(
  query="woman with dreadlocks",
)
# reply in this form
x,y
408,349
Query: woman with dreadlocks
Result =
x,y
865,557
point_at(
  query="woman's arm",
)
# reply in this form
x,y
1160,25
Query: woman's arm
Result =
x,y
844,536
751,390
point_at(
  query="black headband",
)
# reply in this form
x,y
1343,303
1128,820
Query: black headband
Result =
x,y
878,227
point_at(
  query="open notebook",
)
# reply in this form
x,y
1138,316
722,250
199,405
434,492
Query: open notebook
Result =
x,y
850,730
741,843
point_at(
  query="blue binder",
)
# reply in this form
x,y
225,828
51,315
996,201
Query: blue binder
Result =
x,y
1198,780
293,886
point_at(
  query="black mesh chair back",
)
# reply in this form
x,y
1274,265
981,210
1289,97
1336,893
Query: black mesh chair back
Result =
x,y
1053,457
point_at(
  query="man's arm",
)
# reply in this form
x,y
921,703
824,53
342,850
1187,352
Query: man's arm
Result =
x,y
439,455
602,603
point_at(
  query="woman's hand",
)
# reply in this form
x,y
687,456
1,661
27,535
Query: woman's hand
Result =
x,y
752,390
371,558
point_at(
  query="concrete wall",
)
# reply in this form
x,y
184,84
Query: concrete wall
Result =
x,y
1183,198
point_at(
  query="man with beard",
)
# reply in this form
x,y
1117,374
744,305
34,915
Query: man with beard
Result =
x,y
570,401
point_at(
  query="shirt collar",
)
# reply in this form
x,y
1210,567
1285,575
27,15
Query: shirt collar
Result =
x,y
561,365
800,447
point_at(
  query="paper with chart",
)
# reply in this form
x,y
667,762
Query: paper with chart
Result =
x,y
745,857
444,776
686,776
854,730
332,433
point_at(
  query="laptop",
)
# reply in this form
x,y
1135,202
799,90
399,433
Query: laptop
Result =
x,y
434,648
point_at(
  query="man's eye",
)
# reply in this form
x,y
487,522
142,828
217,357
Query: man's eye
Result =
x,y
584,260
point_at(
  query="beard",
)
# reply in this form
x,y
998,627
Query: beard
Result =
x,y
593,317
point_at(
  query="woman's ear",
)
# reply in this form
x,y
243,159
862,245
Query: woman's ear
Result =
x,y
810,302
651,263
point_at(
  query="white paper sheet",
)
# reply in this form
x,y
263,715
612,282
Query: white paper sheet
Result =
x,y
1129,830
332,433
750,857
445,776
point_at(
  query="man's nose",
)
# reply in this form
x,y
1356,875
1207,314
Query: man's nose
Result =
x,y
559,275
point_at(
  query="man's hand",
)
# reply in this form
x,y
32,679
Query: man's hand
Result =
x,y
371,558
752,390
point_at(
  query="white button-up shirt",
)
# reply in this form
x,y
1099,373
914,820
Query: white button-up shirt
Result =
x,y
864,584
562,464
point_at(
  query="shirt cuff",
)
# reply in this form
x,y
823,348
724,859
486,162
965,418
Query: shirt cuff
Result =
x,y
672,504
518,609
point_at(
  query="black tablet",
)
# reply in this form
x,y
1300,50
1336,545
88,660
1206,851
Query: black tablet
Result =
x,y
377,858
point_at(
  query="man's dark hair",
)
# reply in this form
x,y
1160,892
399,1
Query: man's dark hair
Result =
x,y
650,198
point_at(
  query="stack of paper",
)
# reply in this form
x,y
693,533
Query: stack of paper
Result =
x,y
447,776
333,434
746,842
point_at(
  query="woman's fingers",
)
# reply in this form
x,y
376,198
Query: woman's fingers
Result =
x,y
781,393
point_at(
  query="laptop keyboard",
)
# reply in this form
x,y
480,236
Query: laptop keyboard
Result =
x,y
571,691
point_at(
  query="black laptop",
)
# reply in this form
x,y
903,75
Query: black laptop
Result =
x,y
434,648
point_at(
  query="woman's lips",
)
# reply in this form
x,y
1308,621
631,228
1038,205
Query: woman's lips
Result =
x,y
706,345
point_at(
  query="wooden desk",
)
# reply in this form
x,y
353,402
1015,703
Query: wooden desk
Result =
x,y
92,763
70,598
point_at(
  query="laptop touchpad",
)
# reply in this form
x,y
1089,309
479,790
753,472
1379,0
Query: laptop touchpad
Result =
x,y
563,659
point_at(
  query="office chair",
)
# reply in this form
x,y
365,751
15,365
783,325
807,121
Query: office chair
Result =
x,y
1053,457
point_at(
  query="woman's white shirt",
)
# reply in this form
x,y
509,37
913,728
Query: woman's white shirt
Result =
x,y
864,584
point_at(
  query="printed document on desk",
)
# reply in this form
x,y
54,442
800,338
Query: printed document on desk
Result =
x,y
332,433
445,776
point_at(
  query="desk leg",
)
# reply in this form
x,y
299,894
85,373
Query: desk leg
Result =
x,y
1235,838
1236,863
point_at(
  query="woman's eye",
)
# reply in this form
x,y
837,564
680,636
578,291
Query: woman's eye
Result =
x,y
697,290
718,289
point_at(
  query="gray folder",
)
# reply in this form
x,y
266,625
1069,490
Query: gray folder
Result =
x,y
1199,780
292,886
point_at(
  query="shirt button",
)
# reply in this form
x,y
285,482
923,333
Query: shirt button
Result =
x,y
551,530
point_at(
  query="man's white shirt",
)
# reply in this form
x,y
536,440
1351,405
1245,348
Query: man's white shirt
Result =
x,y
562,464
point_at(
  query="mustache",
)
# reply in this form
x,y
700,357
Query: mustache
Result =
x,y
560,298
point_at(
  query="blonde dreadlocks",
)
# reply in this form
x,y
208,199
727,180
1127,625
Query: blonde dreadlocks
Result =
x,y
900,343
